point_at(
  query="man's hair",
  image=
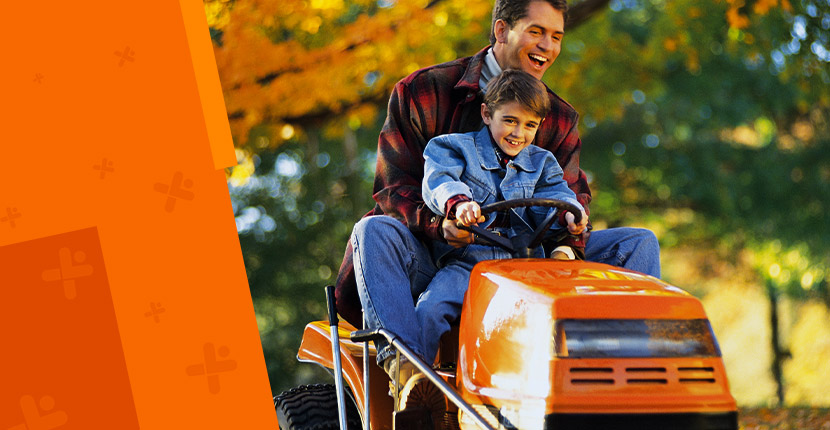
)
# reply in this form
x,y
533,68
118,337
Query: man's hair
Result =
x,y
517,86
511,11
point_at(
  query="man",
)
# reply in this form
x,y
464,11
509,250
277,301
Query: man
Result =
x,y
391,254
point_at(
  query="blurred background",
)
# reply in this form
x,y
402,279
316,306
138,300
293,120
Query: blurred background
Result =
x,y
706,121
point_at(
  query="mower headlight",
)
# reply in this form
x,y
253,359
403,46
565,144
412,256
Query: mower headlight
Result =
x,y
634,338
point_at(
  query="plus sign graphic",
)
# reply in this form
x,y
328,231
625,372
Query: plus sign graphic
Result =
x,y
68,271
11,214
38,417
105,167
155,311
176,190
212,367
127,55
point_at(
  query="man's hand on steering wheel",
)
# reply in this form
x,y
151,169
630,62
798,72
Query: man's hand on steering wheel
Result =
x,y
466,214
574,228
454,235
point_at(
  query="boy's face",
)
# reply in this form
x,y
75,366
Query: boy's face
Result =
x,y
512,126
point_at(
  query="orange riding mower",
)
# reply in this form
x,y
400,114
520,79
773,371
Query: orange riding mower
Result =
x,y
540,344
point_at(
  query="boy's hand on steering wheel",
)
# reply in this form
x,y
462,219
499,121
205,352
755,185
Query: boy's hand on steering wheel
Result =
x,y
468,213
574,228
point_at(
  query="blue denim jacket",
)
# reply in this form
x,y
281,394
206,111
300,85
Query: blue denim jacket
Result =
x,y
466,164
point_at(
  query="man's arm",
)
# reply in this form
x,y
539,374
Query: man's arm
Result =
x,y
400,164
567,155
566,147
552,185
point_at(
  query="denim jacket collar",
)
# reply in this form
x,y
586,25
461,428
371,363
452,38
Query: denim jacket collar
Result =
x,y
487,156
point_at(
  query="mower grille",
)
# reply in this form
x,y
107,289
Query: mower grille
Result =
x,y
605,376
687,421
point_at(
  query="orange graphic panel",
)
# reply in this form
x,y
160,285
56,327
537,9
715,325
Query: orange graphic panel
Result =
x,y
123,286
62,361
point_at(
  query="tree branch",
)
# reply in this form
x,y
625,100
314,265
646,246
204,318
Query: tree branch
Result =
x,y
582,11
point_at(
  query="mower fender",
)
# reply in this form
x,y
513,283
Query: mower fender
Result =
x,y
316,348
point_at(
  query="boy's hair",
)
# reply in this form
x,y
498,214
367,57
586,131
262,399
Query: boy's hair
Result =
x,y
517,86
511,11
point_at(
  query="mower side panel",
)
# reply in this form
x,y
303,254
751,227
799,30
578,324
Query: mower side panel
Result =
x,y
316,348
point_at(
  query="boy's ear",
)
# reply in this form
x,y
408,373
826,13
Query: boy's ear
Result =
x,y
485,114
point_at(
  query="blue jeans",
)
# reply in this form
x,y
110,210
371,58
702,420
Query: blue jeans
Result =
x,y
393,270
631,248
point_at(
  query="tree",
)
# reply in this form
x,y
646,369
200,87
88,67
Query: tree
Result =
x,y
725,116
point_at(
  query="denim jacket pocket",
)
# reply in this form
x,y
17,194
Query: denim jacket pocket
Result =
x,y
483,192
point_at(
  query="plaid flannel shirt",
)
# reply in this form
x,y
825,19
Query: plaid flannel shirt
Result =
x,y
437,100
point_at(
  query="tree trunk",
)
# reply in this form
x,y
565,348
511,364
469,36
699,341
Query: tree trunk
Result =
x,y
778,354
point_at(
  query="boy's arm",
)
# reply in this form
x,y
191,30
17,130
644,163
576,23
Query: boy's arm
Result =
x,y
442,187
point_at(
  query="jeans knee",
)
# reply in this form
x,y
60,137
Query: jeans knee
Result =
x,y
376,226
648,240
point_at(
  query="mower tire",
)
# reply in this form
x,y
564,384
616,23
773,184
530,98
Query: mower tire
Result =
x,y
313,407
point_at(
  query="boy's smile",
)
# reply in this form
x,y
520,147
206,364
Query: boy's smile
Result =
x,y
512,126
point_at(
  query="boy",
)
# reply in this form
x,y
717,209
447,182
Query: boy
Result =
x,y
462,171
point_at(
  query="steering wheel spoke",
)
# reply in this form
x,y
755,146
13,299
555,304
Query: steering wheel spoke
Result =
x,y
488,237
539,234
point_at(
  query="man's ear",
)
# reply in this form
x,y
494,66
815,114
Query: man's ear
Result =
x,y
485,114
500,29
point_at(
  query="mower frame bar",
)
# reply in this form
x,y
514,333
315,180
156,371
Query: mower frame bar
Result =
x,y
367,335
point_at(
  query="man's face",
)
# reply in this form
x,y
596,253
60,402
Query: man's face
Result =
x,y
534,42
512,126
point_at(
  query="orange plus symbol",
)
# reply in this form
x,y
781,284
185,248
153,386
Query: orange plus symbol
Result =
x,y
37,415
68,271
178,189
126,55
212,366
105,167
11,214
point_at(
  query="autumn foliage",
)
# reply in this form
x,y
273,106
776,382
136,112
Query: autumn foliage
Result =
x,y
310,62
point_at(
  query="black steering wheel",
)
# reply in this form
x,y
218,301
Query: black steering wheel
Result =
x,y
521,245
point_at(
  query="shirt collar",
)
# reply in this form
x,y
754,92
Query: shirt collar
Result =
x,y
490,70
470,80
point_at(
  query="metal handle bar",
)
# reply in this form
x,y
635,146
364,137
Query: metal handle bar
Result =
x,y
367,335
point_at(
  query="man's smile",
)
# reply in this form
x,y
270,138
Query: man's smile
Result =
x,y
537,59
